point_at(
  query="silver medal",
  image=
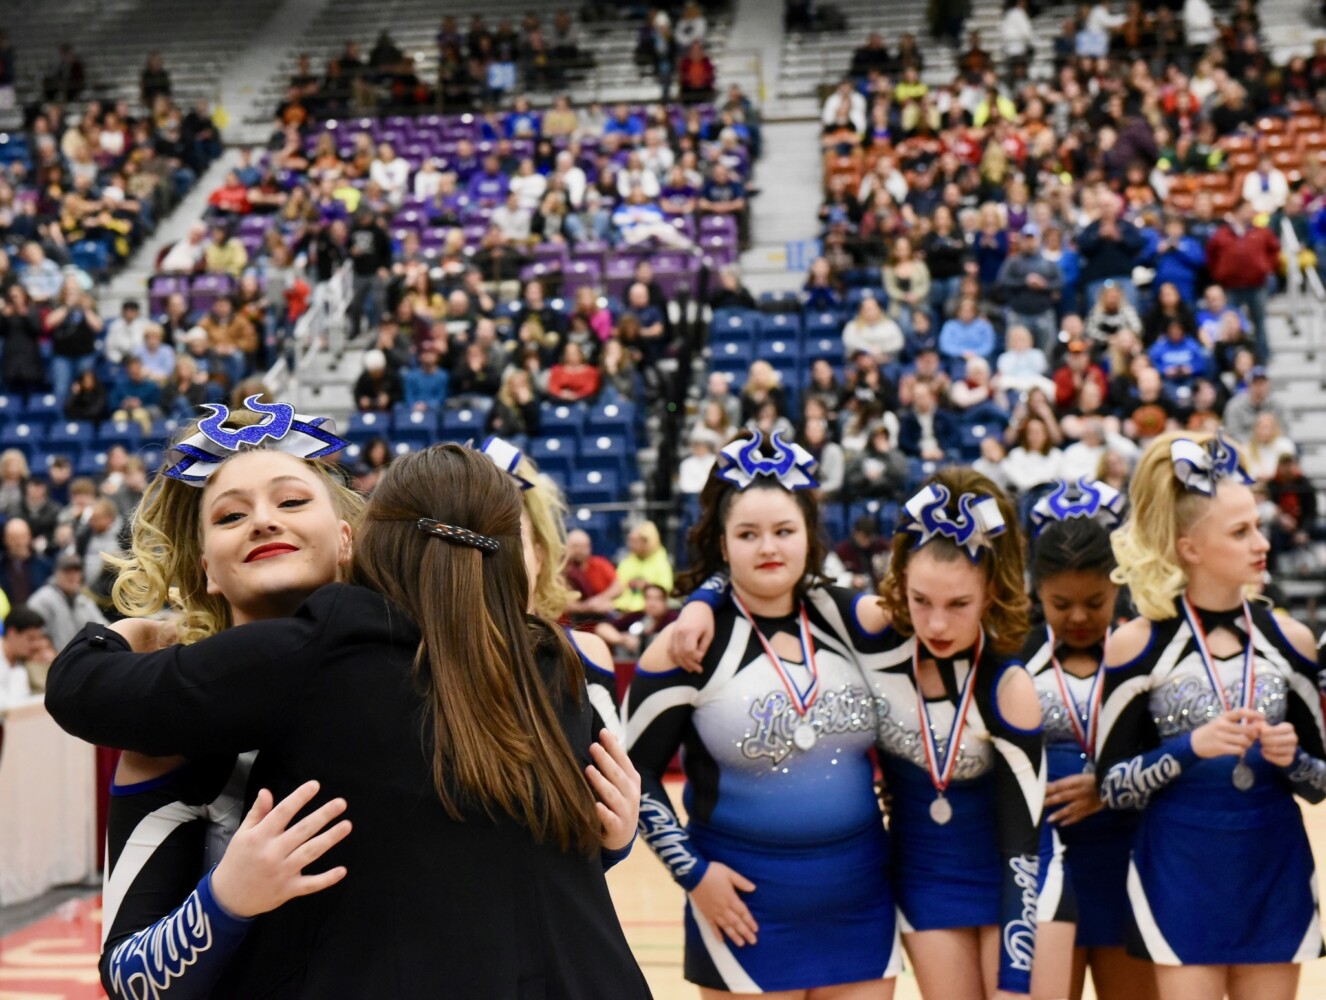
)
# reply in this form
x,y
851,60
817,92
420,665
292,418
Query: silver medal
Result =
x,y
804,736
941,810
1089,767
1243,776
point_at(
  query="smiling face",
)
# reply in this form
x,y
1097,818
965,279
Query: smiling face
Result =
x,y
947,595
1224,544
271,534
765,543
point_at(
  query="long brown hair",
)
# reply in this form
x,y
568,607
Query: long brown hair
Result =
x,y
1007,620
704,542
496,740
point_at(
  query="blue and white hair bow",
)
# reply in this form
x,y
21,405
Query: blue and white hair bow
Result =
x,y
1084,498
740,462
978,521
1201,467
506,456
282,429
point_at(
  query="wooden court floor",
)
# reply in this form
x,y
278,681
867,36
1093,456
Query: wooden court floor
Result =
x,y
57,956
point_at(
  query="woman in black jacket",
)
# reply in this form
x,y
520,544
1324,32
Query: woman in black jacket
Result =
x,y
20,325
474,867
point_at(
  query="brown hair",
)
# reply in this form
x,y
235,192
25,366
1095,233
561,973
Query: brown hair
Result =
x,y
496,741
704,543
1007,620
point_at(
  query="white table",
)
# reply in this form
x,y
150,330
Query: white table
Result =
x,y
47,804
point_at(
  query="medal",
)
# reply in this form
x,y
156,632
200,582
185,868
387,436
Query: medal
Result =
x,y
941,810
1243,776
1082,720
804,735
941,770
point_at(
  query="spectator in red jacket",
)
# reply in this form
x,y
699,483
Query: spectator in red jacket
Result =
x,y
1242,258
232,197
696,75
1076,369
573,380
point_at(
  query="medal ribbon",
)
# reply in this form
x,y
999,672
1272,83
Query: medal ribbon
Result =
x,y
801,702
941,771
1204,651
1084,724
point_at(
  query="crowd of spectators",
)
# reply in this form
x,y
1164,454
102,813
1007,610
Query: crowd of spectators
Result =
x,y
1038,276
483,64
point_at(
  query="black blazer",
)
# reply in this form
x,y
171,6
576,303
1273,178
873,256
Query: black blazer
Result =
x,y
430,907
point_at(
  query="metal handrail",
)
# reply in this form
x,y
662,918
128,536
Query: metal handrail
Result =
x,y
321,330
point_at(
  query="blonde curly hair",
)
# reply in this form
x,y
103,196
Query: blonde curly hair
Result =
x,y
547,512
163,570
1161,511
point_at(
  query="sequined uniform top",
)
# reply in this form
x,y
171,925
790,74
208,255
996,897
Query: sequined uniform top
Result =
x,y
1153,704
1063,751
997,793
735,724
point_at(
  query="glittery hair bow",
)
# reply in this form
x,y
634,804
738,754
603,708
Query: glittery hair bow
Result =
x,y
282,429
1201,467
506,456
978,521
1085,498
741,462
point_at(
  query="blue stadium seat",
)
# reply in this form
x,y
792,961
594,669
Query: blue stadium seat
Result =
x,y
366,426
781,326
828,348
832,519
417,428
731,357
69,436
733,325
611,417
462,424
26,437
592,486
92,256
776,302
604,530
151,453
92,462
565,419
824,324
553,452
607,453
125,433
43,410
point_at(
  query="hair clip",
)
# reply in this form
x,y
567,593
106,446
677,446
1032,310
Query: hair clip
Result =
x,y
282,429
505,455
740,462
458,536
1201,467
979,519
1084,498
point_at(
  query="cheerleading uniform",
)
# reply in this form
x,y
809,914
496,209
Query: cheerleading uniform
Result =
x,y
784,797
979,867
164,933
1219,876
1084,866
602,686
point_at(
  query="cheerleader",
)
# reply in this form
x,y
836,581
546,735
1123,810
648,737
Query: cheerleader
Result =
x,y
960,740
189,811
1083,906
246,693
1211,722
784,855
543,532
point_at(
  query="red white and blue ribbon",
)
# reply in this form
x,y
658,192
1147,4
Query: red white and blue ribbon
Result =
x,y
1083,723
1204,651
941,769
801,700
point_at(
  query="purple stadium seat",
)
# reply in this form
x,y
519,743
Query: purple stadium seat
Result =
x,y
581,274
207,288
618,275
161,288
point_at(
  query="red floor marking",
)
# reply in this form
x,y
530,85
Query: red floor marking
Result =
x,y
55,957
